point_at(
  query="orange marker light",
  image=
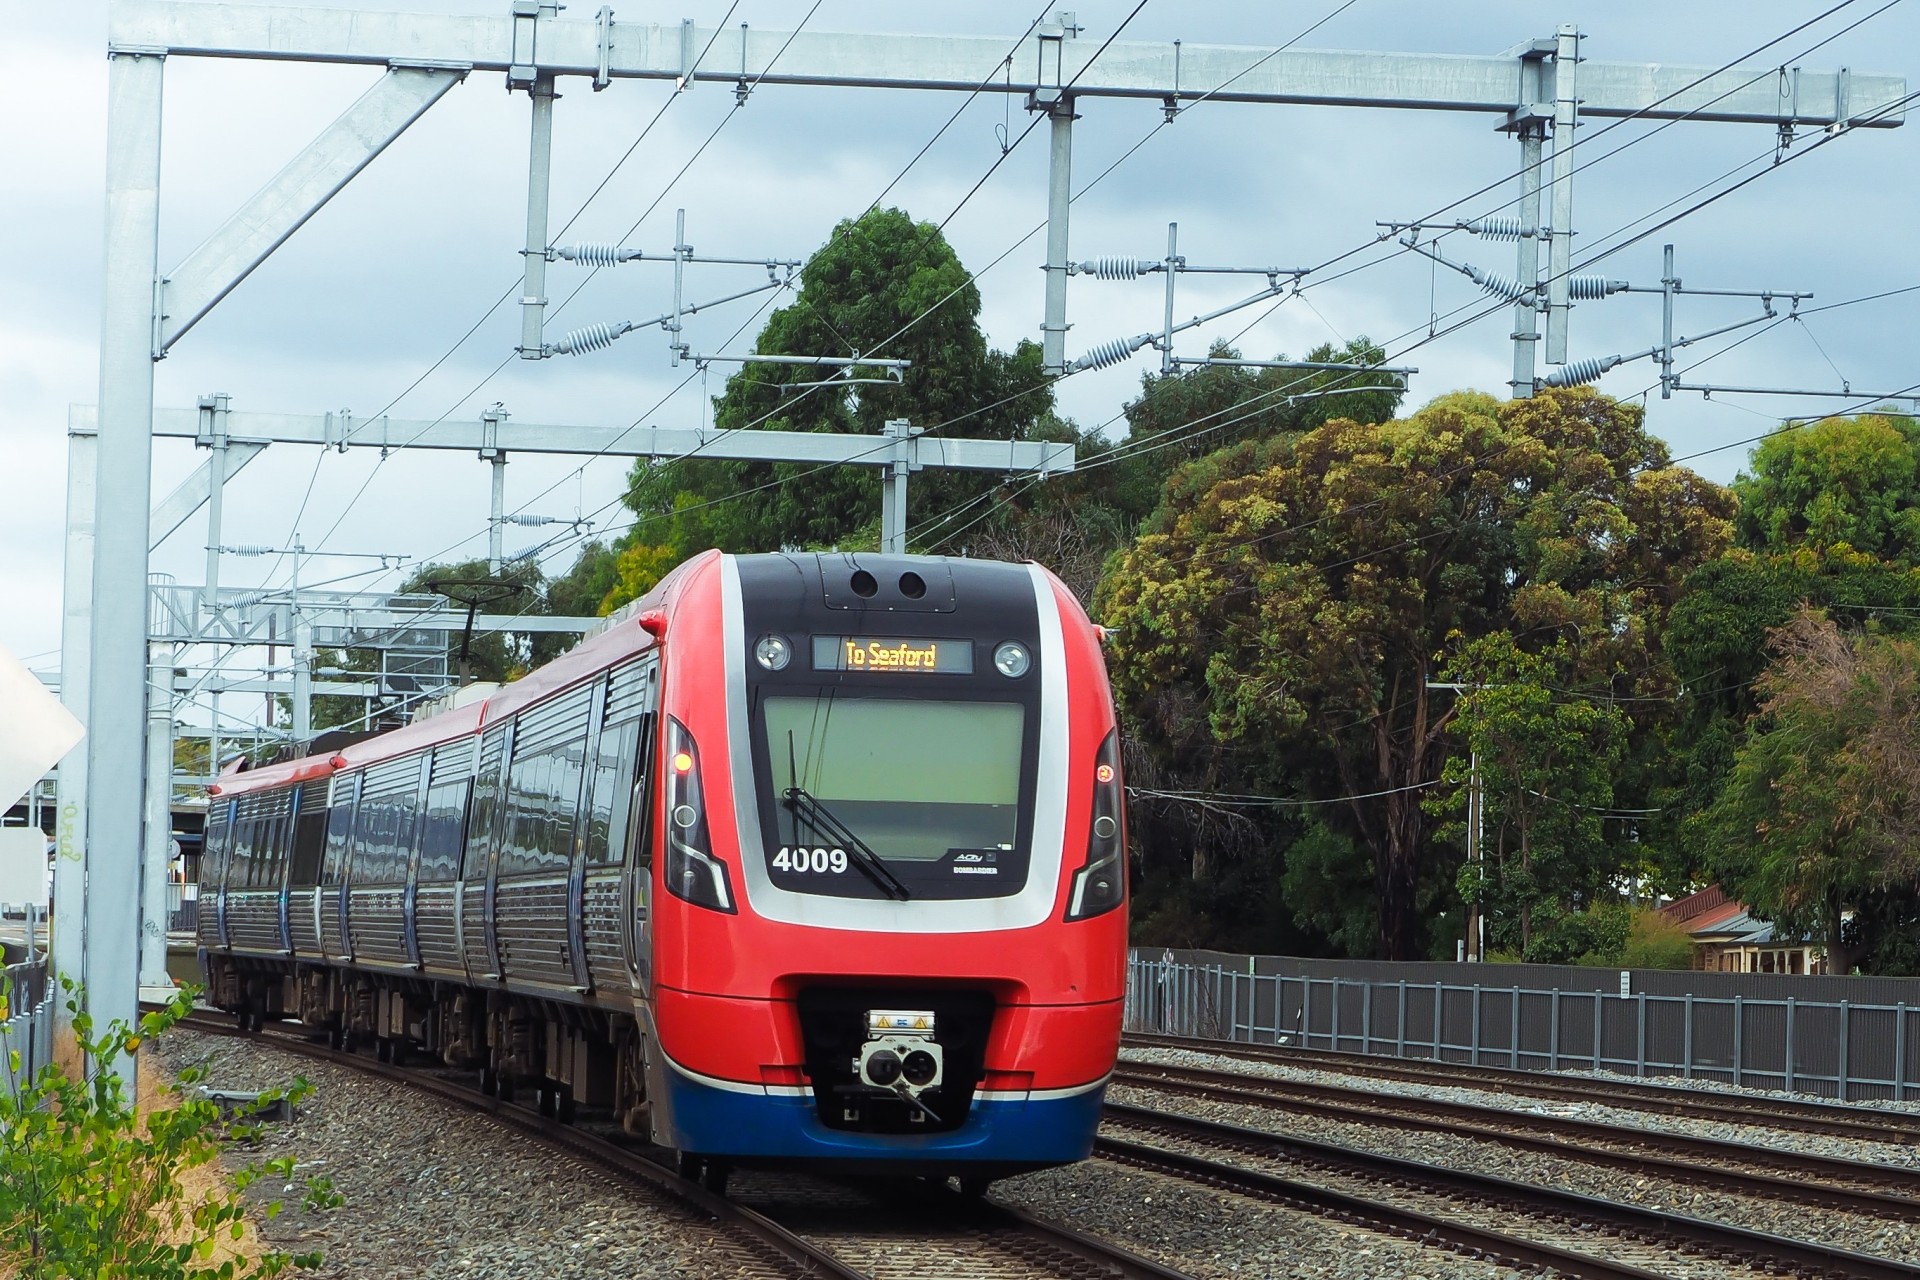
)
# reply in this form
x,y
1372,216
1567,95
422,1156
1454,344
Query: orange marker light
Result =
x,y
1104,773
682,762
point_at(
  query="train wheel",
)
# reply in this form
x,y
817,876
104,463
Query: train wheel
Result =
x,y
566,1110
691,1166
489,1081
336,1038
383,1049
547,1101
505,1089
714,1177
974,1188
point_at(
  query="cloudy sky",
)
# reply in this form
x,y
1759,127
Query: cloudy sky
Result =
x,y
365,308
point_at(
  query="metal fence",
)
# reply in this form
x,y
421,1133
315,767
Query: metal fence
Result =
x,y
1815,1042
28,1027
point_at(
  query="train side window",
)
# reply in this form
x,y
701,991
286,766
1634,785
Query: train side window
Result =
x,y
612,792
213,853
340,813
309,835
486,804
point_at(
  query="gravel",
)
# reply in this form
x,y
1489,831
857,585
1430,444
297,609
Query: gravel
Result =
x,y
432,1189
1215,1235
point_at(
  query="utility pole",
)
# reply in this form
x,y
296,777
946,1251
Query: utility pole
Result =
x,y
1476,948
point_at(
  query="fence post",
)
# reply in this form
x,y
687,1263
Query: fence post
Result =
x,y
1366,1017
1789,1044
1513,1043
1400,1024
1640,1049
1476,1024
1900,1052
1846,1046
1739,1038
1599,1019
1439,1020
1553,1028
1306,1011
1333,1017
1686,1040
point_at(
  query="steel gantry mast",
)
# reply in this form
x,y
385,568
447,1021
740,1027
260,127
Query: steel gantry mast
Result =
x,y
421,57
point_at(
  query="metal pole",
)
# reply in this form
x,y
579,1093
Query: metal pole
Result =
x,y
681,252
216,494
1565,107
1166,327
302,660
1059,197
117,676
67,944
497,521
153,888
893,490
533,294
1526,308
1668,283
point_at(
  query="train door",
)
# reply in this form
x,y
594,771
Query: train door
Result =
x,y
330,900
211,920
586,821
413,820
636,918
473,898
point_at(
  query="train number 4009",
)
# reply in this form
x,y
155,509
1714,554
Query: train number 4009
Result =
x,y
814,861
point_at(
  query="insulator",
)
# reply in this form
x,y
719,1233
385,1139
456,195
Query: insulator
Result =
x,y
598,255
1498,285
1109,353
592,338
1116,268
1594,286
1580,371
1499,228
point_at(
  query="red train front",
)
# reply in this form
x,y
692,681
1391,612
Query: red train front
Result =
x,y
887,925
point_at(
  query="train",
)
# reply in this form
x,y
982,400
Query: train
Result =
x,y
804,859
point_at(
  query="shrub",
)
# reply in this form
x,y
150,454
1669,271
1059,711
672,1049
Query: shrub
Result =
x,y
1655,942
90,1187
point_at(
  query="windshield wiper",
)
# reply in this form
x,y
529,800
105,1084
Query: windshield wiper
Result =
x,y
821,819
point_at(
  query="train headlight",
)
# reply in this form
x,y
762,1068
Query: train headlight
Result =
x,y
1011,659
773,652
691,871
1101,884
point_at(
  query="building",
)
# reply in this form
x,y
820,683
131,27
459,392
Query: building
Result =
x,y
1728,939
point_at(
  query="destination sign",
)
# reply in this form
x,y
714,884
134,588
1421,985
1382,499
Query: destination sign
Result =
x,y
871,653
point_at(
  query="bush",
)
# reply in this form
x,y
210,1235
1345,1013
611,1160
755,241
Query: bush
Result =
x,y
1655,942
90,1187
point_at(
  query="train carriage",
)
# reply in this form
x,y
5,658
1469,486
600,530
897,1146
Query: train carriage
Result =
x,y
805,858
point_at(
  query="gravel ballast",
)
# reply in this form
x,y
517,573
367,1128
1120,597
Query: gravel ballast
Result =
x,y
434,1190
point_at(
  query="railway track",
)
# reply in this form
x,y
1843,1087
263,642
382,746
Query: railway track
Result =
x,y
1852,1186
1522,1223
1830,1119
792,1224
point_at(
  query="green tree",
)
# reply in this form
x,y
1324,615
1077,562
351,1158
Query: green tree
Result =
x,y
882,285
1847,484
1286,606
1546,758
1817,826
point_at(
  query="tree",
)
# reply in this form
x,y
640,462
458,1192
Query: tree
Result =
x,y
1817,827
1546,759
1846,484
1286,606
882,285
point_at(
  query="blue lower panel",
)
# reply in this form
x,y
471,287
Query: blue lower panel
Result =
x,y
760,1126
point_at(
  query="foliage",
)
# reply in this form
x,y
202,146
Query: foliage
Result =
x,y
1546,759
1655,942
1282,613
1819,818
1847,484
88,1187
882,285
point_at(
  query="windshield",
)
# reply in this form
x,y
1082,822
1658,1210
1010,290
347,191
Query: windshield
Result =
x,y
918,781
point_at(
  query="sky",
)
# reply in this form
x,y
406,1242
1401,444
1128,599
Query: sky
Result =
x,y
366,307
